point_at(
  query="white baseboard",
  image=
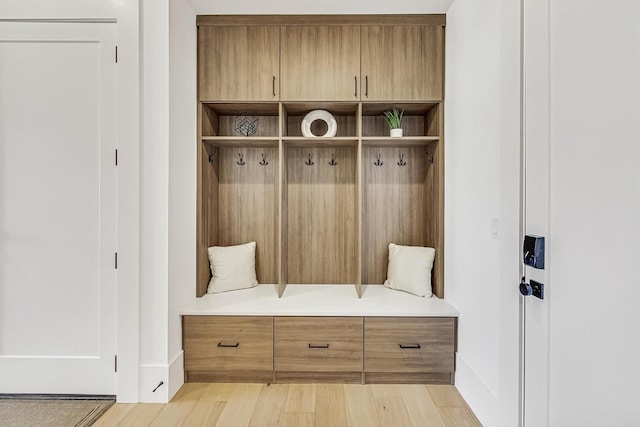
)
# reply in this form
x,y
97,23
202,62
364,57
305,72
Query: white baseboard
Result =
x,y
483,402
176,374
150,377
171,376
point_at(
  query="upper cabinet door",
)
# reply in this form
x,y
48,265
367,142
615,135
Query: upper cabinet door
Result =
x,y
239,63
402,62
320,63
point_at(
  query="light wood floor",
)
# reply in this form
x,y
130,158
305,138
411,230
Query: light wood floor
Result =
x,y
300,405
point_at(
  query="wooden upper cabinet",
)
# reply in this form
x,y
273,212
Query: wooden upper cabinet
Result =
x,y
402,62
320,63
239,63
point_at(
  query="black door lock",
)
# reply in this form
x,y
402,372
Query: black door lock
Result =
x,y
532,288
533,251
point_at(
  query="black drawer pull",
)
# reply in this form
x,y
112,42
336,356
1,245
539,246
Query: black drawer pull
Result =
x,y
409,345
318,345
228,345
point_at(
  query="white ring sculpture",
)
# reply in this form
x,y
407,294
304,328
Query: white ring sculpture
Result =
x,y
325,116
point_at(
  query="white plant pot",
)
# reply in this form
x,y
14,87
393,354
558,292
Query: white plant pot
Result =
x,y
396,133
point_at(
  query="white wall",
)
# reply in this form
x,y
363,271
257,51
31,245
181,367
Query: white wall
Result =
x,y
154,211
595,213
169,188
182,175
481,186
126,13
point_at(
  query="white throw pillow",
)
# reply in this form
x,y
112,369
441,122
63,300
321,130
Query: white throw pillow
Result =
x,y
232,267
410,269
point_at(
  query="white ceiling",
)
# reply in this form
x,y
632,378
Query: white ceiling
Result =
x,y
319,7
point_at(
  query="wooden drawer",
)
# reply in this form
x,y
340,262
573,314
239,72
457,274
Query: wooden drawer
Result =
x,y
318,344
228,343
412,344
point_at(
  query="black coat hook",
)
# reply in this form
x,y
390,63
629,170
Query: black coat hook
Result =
x,y
264,162
378,162
241,161
309,162
402,162
333,160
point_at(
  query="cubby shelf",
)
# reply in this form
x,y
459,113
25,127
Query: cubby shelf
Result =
x,y
405,141
321,209
318,142
240,141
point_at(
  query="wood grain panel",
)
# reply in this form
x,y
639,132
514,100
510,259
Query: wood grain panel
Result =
x,y
283,223
330,408
294,337
420,118
266,125
394,206
270,406
402,62
203,414
320,63
360,405
389,406
229,376
248,197
418,402
209,121
377,125
333,406
238,62
384,335
434,215
219,119
313,142
301,398
408,378
202,335
318,377
240,406
430,19
321,207
432,122
207,214
346,125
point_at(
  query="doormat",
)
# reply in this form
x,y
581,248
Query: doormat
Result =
x,y
51,412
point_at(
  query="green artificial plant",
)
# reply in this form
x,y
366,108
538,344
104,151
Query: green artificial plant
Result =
x,y
394,118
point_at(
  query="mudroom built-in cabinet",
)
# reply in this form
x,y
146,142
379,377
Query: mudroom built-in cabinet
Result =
x,y
321,209
413,72
239,62
336,47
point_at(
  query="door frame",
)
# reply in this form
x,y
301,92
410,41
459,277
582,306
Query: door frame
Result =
x,y
535,209
126,16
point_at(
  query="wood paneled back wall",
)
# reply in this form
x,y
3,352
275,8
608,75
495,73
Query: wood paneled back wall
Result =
x,y
330,221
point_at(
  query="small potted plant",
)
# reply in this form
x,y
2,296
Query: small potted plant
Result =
x,y
394,119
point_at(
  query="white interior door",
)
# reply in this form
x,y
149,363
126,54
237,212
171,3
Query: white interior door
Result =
x,y
57,207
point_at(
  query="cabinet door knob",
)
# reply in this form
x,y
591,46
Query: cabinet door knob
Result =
x,y
407,346
228,345
273,85
355,92
366,86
